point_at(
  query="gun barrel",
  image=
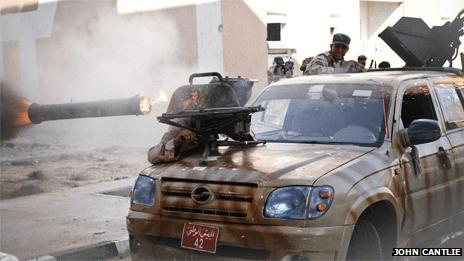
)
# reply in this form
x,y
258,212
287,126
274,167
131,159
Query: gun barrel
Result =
x,y
106,108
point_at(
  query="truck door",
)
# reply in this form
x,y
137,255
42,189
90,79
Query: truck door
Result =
x,y
421,167
451,100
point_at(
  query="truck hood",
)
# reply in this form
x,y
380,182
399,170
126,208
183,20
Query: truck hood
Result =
x,y
271,164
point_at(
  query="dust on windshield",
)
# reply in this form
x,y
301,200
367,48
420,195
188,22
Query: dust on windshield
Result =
x,y
323,113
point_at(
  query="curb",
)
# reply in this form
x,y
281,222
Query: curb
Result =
x,y
100,251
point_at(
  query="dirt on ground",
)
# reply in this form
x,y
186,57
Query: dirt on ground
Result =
x,y
65,154
32,175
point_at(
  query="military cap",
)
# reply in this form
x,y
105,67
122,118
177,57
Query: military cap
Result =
x,y
362,57
279,60
341,39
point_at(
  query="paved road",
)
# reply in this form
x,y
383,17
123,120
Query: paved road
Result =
x,y
58,221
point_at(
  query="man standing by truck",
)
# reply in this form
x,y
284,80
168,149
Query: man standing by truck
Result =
x,y
333,60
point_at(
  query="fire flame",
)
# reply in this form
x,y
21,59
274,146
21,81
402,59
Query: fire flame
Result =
x,y
145,105
20,113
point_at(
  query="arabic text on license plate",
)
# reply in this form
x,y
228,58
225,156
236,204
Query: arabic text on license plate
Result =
x,y
200,237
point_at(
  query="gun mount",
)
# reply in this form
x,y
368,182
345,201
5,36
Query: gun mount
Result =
x,y
209,123
210,110
418,45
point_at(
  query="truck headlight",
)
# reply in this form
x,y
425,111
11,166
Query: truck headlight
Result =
x,y
287,203
144,191
299,202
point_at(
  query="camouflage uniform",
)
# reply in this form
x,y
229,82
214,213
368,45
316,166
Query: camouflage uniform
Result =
x,y
165,150
278,70
181,100
326,63
275,73
305,63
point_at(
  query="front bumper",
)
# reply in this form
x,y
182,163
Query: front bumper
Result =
x,y
157,237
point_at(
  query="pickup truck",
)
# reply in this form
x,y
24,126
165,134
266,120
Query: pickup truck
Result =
x,y
350,167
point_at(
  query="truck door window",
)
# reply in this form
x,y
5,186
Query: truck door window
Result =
x,y
452,106
417,104
460,91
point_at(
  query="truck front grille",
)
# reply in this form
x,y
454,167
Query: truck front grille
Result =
x,y
227,198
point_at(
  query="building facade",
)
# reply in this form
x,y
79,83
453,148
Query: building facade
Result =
x,y
79,50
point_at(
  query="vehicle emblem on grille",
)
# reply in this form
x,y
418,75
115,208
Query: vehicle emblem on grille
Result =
x,y
202,194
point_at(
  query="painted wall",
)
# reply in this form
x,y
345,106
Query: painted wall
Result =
x,y
94,51
308,23
106,48
19,33
244,38
80,50
375,17
210,42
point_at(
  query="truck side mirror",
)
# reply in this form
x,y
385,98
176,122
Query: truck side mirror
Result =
x,y
419,132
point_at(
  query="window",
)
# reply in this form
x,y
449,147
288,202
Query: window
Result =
x,y
461,93
322,113
452,107
417,104
274,115
273,31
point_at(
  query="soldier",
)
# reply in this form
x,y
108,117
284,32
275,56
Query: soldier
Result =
x,y
233,92
362,60
182,99
333,60
277,70
305,63
384,64
288,66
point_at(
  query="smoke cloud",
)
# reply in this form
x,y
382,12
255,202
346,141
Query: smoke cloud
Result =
x,y
102,54
94,53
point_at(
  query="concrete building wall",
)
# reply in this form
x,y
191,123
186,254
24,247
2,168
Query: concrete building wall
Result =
x,y
375,17
184,19
114,48
19,33
95,49
309,25
244,38
210,42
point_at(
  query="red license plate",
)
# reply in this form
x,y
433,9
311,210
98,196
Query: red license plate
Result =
x,y
200,237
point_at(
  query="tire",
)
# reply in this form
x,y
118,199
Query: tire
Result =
x,y
365,243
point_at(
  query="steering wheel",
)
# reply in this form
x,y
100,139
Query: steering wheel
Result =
x,y
355,133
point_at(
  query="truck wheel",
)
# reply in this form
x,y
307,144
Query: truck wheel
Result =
x,y
365,243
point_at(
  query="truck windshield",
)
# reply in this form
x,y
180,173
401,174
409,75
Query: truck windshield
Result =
x,y
322,113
